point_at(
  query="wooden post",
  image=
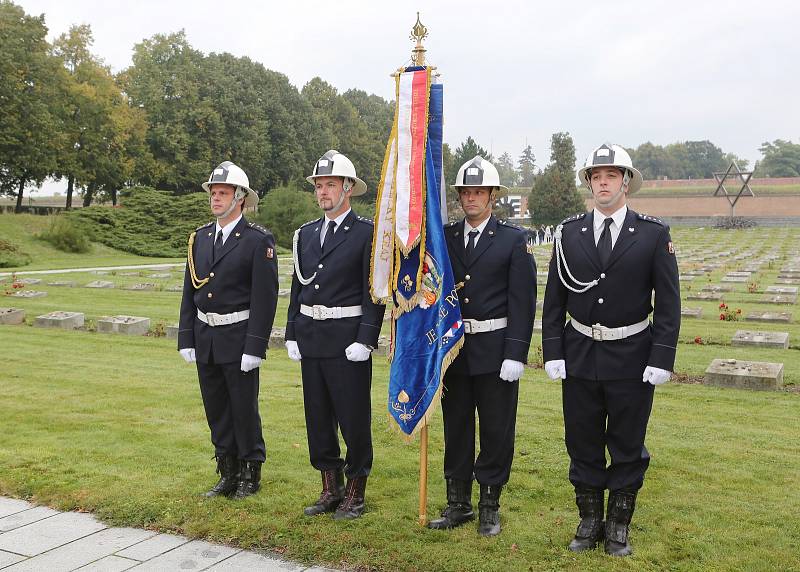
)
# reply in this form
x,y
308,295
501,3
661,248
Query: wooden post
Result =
x,y
423,476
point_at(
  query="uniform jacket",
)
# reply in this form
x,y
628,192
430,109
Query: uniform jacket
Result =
x,y
244,275
498,282
342,279
641,262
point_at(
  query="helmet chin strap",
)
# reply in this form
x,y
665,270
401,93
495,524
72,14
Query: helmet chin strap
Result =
x,y
347,184
239,194
626,179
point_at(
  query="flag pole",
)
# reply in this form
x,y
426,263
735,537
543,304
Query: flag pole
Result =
x,y
423,475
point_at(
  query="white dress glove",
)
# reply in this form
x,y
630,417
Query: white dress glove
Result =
x,y
655,375
250,362
511,370
188,354
556,369
357,352
294,351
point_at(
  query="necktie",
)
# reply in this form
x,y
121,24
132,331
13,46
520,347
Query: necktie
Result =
x,y
217,244
471,243
326,242
604,244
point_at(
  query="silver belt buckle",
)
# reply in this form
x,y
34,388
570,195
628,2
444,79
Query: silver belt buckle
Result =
x,y
467,327
597,332
317,312
210,319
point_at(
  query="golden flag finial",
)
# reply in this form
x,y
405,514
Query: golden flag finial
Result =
x,y
418,33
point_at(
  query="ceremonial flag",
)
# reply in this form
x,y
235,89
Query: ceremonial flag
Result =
x,y
410,265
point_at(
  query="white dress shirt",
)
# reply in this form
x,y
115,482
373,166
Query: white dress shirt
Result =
x,y
479,228
616,226
226,230
327,222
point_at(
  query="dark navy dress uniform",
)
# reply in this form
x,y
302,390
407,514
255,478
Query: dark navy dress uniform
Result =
x,y
243,275
499,281
336,391
606,403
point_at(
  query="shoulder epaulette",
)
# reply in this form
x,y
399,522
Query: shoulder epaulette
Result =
x,y
365,220
574,217
649,218
258,227
310,222
509,224
204,226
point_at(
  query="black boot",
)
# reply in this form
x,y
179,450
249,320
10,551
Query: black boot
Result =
x,y
249,481
459,505
352,506
228,470
489,510
618,519
331,495
590,529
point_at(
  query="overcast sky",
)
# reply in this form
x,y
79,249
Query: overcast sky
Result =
x,y
514,71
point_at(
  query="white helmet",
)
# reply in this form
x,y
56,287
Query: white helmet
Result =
x,y
230,174
608,155
478,172
334,164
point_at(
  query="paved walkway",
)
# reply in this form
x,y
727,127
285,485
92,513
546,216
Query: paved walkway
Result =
x,y
94,268
37,538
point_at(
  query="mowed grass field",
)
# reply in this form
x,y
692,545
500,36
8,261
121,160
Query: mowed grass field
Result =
x,y
115,425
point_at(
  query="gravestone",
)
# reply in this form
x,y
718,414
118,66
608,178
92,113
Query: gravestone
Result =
x,y
100,284
100,272
691,312
142,287
277,338
58,319
761,339
686,278
128,325
744,374
537,325
160,275
779,317
29,294
705,296
284,293
781,290
64,283
30,281
129,274
174,288
779,299
11,316
787,281
740,273
717,288
736,279
172,332
541,278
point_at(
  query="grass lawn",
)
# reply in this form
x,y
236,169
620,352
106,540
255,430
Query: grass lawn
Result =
x,y
115,425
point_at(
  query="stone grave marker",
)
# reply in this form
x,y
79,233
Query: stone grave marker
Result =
x,y
705,296
776,317
717,288
128,325
691,312
174,288
541,278
141,287
537,325
160,275
277,338
59,319
28,294
782,290
740,273
172,332
100,284
736,279
100,272
744,374
64,283
779,299
761,339
686,278
285,292
787,280
540,305
11,316
129,273
30,281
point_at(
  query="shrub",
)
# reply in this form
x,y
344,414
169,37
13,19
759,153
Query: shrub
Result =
x,y
66,235
11,256
284,209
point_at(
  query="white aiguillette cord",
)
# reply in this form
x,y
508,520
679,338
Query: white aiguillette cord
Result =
x,y
561,259
296,260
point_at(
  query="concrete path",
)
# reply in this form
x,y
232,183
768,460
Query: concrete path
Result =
x,y
156,266
35,538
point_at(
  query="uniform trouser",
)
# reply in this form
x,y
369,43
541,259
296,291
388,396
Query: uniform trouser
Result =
x,y
606,414
336,395
496,404
230,398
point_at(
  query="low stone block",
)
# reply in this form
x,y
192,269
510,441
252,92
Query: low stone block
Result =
x,y
692,312
780,317
537,325
100,272
100,284
142,287
126,274
705,296
174,288
686,278
160,275
740,273
128,325
779,299
781,290
30,281
28,294
59,319
736,279
62,283
717,288
761,339
11,316
172,332
744,374
787,281
284,293
277,338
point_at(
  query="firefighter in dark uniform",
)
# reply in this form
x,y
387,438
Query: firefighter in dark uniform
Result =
x,y
229,296
497,293
332,328
606,265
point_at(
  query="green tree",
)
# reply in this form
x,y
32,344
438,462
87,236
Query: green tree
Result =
x,y
31,83
284,209
467,151
526,167
505,168
781,159
554,194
